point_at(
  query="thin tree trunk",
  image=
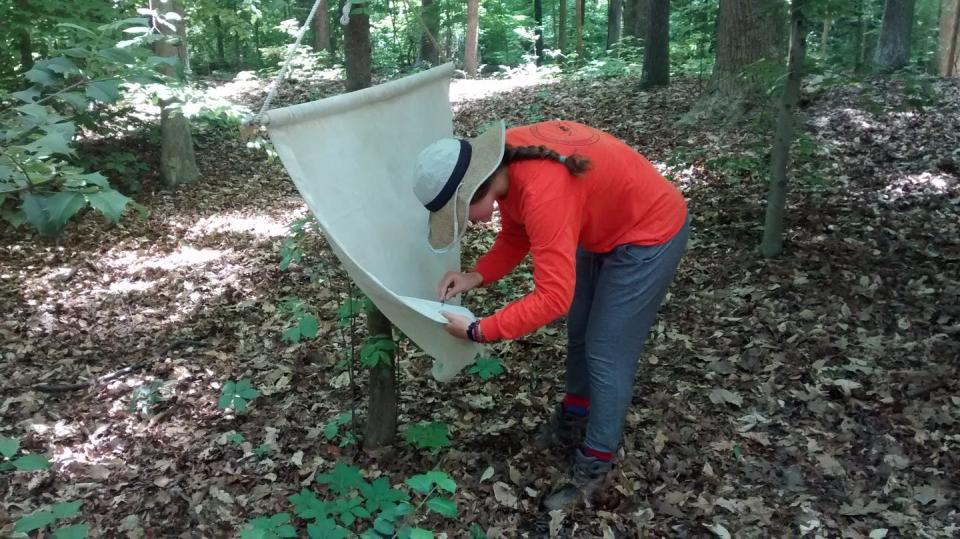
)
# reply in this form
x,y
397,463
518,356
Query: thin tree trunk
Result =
x,y
561,35
824,35
861,36
221,53
429,47
321,27
473,27
635,13
614,11
948,50
772,243
382,404
538,22
357,45
656,57
893,45
579,16
178,163
24,43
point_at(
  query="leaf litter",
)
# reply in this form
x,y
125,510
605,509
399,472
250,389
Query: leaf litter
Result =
x,y
813,394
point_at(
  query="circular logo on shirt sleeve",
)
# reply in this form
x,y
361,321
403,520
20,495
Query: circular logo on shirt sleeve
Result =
x,y
569,133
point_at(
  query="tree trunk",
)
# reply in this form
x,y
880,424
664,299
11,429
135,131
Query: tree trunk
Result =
x,y
24,43
561,34
656,56
579,16
538,21
893,45
772,243
749,32
357,45
824,35
948,51
381,424
221,54
614,11
178,163
321,27
382,404
430,23
473,28
864,20
635,13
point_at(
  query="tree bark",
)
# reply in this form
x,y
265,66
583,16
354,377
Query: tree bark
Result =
x,y
473,28
357,45
656,56
221,54
538,21
579,16
24,42
561,34
893,45
635,13
430,21
381,424
748,31
824,36
864,21
948,51
614,12
321,27
178,163
772,243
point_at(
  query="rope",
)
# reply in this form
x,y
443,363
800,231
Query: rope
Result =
x,y
275,83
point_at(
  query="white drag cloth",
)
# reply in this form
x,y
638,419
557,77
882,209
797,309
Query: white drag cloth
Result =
x,y
352,157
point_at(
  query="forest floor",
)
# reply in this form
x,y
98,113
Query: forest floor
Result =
x,y
813,394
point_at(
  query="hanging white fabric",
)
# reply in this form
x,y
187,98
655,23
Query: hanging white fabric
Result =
x,y
352,158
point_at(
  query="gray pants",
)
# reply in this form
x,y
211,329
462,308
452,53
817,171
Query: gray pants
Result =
x,y
615,304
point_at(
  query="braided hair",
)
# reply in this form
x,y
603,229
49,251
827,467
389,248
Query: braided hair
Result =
x,y
576,165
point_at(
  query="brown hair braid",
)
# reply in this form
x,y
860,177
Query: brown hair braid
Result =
x,y
575,164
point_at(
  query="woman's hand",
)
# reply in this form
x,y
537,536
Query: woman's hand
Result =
x,y
457,282
457,325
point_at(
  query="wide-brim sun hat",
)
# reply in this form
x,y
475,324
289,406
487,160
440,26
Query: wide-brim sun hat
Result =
x,y
448,174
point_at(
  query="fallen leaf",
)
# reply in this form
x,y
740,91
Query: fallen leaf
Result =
x,y
721,396
504,494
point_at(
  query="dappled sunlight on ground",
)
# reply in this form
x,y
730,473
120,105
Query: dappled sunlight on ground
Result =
x,y
925,183
262,226
462,90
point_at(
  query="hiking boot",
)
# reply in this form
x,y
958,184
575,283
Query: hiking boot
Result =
x,y
563,429
587,475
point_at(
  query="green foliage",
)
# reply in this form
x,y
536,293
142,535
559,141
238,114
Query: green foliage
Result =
x,y
236,438
332,429
25,463
381,510
291,250
302,319
143,397
430,435
42,183
487,367
39,520
237,395
273,527
377,350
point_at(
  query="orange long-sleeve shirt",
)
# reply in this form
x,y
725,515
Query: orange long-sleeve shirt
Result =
x,y
548,212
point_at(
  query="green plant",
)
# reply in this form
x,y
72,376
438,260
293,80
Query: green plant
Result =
x,y
40,182
236,438
303,322
291,250
143,397
332,429
25,463
487,367
377,349
237,395
41,519
430,435
273,527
